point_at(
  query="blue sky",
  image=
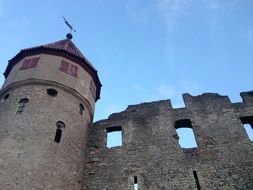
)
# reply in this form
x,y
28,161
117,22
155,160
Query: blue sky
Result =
x,y
144,50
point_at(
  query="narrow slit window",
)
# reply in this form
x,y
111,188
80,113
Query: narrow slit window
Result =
x,y
81,109
21,105
196,180
114,136
59,126
248,126
57,137
185,134
135,183
93,89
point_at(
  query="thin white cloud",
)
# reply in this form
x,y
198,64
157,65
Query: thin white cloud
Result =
x,y
143,93
211,4
165,91
113,108
190,87
138,16
171,9
138,88
169,92
139,13
162,91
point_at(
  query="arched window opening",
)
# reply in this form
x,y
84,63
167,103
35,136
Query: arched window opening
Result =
x,y
185,134
248,126
58,133
114,136
81,109
6,96
52,92
21,105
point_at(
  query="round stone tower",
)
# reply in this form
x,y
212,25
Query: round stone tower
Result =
x,y
46,105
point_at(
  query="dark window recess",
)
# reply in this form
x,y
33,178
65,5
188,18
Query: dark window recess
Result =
x,y
52,92
58,134
30,63
6,96
135,183
69,68
93,89
57,137
196,180
21,105
248,126
114,136
185,134
81,109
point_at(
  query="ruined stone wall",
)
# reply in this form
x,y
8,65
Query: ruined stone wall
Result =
x,y
150,149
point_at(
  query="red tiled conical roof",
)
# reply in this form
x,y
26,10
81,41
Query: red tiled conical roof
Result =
x,y
65,48
66,45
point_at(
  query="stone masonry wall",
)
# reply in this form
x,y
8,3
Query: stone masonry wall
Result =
x,y
30,159
150,151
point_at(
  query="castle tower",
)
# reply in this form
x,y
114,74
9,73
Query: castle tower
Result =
x,y
46,105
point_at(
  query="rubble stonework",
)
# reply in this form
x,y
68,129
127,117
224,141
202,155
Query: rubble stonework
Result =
x,y
222,160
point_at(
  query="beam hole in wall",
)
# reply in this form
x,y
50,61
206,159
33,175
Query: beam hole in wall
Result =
x,y
135,183
196,180
248,126
113,136
58,133
81,109
185,133
52,92
21,105
6,96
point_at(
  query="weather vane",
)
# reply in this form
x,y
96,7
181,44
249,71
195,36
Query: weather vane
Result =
x,y
69,35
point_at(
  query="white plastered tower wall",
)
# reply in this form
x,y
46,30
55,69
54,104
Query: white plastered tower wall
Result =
x,y
30,155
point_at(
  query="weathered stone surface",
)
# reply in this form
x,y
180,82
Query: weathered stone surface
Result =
x,y
150,151
29,157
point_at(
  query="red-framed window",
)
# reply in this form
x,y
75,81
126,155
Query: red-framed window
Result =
x,y
93,89
68,68
29,63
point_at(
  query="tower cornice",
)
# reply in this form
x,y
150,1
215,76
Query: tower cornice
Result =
x,y
34,81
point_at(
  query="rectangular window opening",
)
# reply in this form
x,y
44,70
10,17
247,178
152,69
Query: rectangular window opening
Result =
x,y
249,130
57,137
114,136
196,180
248,126
185,134
69,68
30,63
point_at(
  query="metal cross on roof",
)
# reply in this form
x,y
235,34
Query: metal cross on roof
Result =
x,y
69,25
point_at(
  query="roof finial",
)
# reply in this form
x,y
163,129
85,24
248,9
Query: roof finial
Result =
x,y
69,35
